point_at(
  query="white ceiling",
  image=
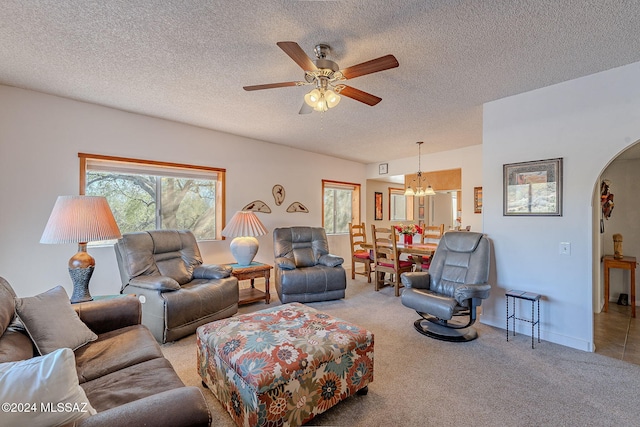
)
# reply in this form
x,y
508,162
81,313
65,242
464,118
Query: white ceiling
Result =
x,y
188,60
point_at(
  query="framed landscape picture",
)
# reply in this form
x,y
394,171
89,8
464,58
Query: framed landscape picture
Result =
x,y
533,188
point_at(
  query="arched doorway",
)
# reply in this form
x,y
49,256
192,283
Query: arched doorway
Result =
x,y
616,333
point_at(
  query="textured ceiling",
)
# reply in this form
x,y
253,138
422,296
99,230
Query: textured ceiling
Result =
x,y
188,60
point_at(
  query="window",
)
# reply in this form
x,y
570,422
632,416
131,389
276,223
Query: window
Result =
x,y
400,206
148,195
340,205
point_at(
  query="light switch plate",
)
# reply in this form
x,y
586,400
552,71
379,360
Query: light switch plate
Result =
x,y
565,248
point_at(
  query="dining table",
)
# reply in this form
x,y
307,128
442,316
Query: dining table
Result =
x,y
416,250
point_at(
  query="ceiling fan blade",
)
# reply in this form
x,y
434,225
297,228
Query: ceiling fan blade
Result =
x,y
296,53
305,109
270,86
359,95
373,66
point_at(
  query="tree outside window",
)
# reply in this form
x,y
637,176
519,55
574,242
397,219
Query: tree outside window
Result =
x,y
148,196
341,205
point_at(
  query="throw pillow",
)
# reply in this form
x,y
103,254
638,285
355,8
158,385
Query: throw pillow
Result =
x,y
51,322
43,391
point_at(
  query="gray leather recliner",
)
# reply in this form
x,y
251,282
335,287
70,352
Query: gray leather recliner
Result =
x,y
178,293
305,271
455,285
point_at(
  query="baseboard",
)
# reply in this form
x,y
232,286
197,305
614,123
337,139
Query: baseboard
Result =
x,y
525,329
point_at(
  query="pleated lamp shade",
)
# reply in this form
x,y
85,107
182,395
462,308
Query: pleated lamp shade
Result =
x,y
244,226
80,219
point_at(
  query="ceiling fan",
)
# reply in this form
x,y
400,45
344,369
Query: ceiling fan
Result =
x,y
328,78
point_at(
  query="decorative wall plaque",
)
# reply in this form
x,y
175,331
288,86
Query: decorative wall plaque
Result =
x,y
297,207
257,206
278,194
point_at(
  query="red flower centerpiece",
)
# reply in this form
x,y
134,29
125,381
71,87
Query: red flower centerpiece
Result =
x,y
408,231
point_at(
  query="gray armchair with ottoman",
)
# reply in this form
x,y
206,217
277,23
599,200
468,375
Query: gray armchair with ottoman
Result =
x,y
87,364
305,270
164,269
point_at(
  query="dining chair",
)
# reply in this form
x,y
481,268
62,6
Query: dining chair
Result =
x,y
358,238
386,259
430,234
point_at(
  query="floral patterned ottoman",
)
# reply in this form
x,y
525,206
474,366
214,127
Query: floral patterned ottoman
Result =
x,y
284,365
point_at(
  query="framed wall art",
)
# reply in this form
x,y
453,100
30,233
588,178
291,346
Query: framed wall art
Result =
x,y
378,206
533,188
477,199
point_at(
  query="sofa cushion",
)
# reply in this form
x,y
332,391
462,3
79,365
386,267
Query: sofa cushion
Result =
x,y
116,350
306,280
171,253
51,321
44,380
15,346
131,383
136,250
7,305
304,245
198,299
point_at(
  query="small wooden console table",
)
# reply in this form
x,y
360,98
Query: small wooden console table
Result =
x,y
251,272
626,263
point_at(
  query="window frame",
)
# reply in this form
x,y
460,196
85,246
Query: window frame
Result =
x,y
355,200
409,204
220,181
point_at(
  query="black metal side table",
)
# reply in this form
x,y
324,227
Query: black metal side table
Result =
x,y
528,296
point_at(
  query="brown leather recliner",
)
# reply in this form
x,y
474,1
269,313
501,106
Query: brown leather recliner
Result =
x,y
178,293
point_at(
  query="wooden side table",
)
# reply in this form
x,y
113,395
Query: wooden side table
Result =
x,y
626,263
251,272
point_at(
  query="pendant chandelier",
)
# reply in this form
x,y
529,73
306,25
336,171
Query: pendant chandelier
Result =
x,y
419,191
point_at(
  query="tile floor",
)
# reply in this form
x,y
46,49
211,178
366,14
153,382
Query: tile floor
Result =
x,y
617,334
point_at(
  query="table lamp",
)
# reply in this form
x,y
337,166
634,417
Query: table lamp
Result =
x,y
80,219
244,227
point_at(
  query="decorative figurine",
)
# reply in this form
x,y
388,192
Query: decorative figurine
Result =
x,y
617,246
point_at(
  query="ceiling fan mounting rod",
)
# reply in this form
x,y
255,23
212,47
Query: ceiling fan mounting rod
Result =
x,y
322,83
321,50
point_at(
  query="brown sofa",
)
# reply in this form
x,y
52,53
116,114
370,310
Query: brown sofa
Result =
x,y
123,373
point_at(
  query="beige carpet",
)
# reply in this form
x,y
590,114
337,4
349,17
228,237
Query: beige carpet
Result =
x,y
487,382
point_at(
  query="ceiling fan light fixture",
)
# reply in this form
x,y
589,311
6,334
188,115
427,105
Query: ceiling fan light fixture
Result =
x,y
321,105
312,97
332,98
321,99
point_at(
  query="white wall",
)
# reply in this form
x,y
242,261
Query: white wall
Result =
x,y
374,186
587,122
442,210
41,135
